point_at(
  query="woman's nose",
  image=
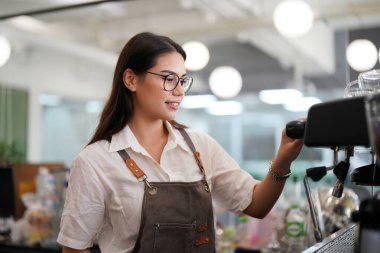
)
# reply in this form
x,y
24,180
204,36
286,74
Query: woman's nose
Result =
x,y
179,91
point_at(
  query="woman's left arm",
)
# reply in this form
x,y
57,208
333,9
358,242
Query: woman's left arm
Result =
x,y
266,193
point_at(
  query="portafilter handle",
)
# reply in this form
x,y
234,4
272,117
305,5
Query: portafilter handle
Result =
x,y
295,129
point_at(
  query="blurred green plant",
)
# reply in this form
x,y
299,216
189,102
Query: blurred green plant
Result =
x,y
10,154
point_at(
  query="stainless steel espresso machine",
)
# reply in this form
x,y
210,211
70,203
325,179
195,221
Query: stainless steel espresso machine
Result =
x,y
342,125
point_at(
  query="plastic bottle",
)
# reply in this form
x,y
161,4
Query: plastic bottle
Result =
x,y
296,222
56,196
58,206
277,216
50,224
50,205
242,231
41,182
295,229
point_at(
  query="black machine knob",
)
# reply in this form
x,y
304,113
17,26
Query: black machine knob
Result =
x,y
295,129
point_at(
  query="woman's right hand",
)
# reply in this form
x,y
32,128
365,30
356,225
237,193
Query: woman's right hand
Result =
x,y
288,151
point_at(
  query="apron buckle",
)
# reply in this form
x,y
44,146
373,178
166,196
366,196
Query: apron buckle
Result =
x,y
152,189
207,187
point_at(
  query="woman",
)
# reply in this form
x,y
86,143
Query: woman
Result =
x,y
144,182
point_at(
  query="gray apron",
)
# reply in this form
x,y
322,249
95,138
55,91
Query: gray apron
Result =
x,y
176,217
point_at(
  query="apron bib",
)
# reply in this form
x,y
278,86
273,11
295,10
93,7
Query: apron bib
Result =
x,y
176,217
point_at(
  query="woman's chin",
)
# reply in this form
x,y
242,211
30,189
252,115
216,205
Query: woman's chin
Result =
x,y
168,117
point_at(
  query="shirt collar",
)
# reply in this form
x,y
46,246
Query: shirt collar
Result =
x,y
126,139
175,138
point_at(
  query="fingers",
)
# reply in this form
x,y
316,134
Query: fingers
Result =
x,y
289,148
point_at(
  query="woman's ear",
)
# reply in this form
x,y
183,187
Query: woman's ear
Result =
x,y
129,79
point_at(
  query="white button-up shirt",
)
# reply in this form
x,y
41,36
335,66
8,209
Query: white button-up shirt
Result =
x,y
104,199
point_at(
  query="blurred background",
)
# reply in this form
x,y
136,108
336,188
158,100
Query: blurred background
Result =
x,y
58,56
257,65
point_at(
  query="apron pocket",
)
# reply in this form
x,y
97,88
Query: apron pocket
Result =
x,y
173,237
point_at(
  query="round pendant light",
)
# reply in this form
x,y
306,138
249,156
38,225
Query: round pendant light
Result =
x,y
5,50
197,55
225,82
293,18
361,55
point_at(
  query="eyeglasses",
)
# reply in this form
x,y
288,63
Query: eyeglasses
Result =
x,y
172,80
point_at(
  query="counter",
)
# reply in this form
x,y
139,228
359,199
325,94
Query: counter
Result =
x,y
14,248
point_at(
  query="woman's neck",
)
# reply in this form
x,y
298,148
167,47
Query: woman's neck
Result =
x,y
144,129
152,135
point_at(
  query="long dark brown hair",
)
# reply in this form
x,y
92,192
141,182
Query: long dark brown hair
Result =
x,y
139,54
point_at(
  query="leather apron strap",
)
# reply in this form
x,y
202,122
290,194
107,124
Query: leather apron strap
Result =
x,y
140,175
197,156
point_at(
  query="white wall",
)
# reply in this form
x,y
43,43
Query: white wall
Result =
x,y
44,69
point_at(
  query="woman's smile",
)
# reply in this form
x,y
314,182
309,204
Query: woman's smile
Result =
x,y
173,105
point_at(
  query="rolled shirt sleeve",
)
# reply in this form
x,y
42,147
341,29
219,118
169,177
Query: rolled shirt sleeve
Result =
x,y
232,187
83,212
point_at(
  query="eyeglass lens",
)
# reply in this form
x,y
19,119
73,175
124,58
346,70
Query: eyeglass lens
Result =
x,y
171,82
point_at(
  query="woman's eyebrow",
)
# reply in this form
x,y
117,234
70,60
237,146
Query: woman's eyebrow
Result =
x,y
172,72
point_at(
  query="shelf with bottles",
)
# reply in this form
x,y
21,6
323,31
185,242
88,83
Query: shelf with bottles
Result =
x,y
40,222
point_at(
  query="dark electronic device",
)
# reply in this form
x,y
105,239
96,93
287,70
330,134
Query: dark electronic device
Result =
x,y
7,208
7,203
368,217
336,123
341,125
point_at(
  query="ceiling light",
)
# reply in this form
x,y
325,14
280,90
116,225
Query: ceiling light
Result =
x,y
225,108
197,101
301,104
279,96
5,50
197,55
225,82
361,55
293,18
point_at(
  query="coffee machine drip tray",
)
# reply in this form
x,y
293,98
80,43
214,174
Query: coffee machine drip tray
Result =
x,y
342,241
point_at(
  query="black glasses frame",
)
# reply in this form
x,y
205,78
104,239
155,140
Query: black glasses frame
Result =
x,y
180,79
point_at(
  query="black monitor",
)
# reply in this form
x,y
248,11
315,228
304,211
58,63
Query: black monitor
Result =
x,y
7,195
